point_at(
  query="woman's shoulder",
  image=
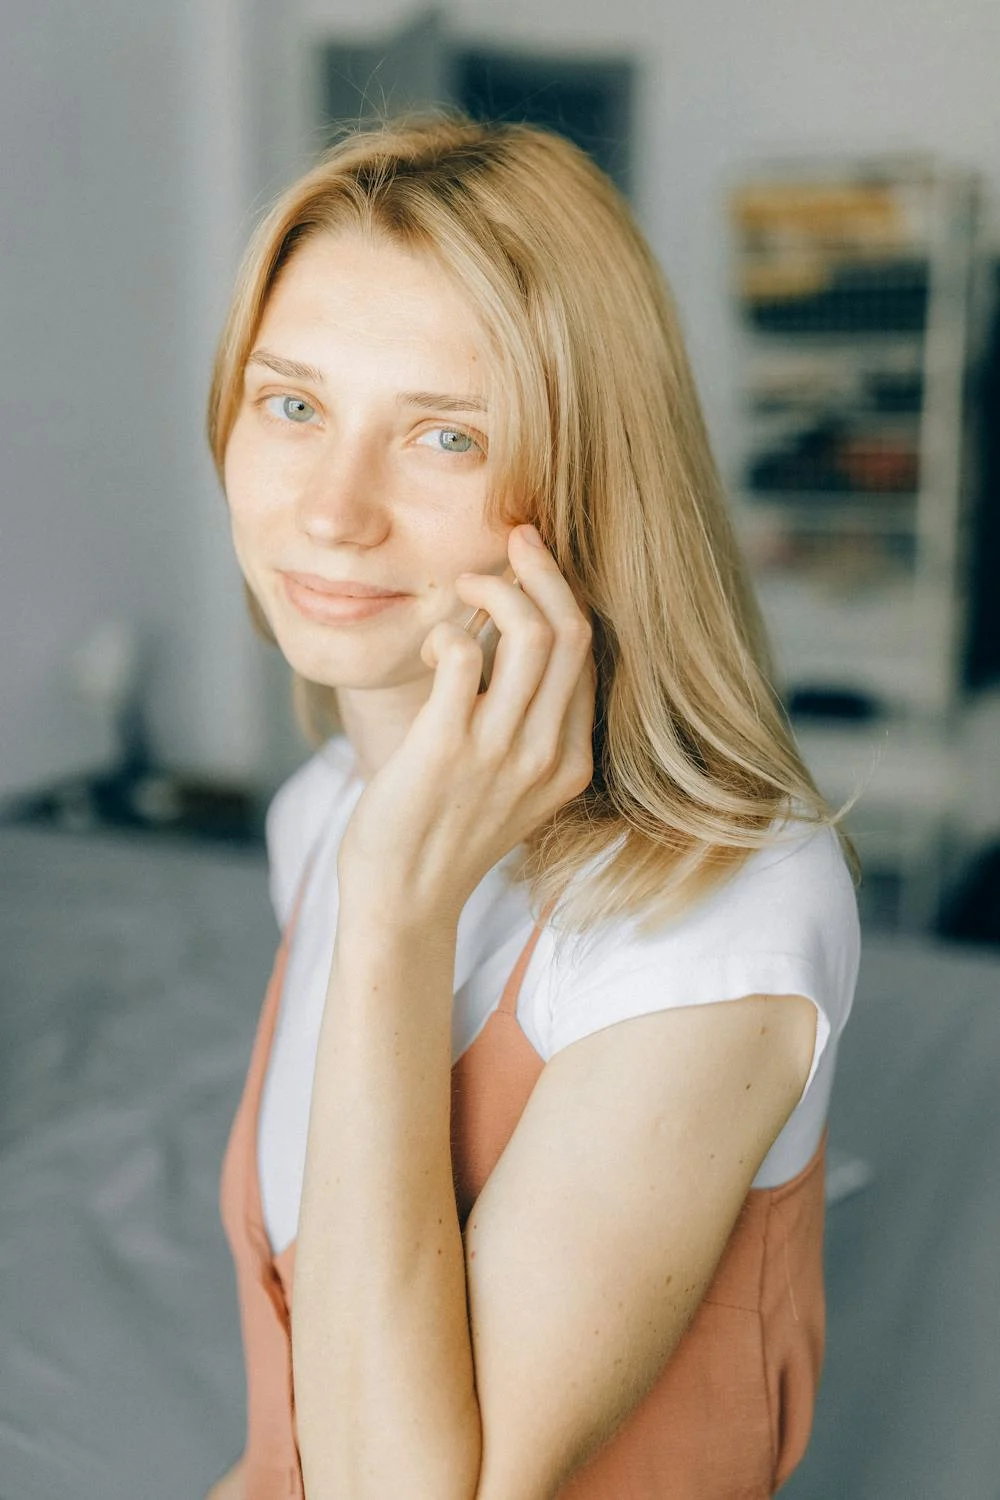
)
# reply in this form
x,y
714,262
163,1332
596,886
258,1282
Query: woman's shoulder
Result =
x,y
311,783
800,877
795,885
785,922
297,813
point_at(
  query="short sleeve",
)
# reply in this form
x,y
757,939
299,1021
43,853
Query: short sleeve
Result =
x,y
785,924
294,819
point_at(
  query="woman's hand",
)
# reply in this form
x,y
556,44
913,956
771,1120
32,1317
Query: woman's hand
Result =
x,y
477,773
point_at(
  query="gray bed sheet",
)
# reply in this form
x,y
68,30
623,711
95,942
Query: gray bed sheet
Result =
x,y
132,975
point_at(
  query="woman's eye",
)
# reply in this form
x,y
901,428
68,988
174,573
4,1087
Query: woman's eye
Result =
x,y
450,440
293,408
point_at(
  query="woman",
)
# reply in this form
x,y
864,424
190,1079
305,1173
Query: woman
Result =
x,y
525,1188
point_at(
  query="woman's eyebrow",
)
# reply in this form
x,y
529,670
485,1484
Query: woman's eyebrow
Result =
x,y
435,401
290,367
426,400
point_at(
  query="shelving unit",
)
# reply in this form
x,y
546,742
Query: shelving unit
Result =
x,y
855,301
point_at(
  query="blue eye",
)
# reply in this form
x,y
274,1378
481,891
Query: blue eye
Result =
x,y
455,442
451,440
293,407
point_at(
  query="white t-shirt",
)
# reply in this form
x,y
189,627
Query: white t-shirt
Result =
x,y
785,924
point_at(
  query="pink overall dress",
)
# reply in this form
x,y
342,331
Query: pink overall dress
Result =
x,y
730,1416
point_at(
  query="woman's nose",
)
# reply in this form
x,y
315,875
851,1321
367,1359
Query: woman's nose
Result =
x,y
342,498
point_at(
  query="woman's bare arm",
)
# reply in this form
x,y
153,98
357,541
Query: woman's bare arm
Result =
x,y
583,1259
230,1486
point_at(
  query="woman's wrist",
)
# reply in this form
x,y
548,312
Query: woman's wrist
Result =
x,y
384,904
372,938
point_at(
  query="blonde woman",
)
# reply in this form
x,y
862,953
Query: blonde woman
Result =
x,y
525,1190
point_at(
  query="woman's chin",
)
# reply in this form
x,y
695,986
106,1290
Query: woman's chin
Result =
x,y
347,666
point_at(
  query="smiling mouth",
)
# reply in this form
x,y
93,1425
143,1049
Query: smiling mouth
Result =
x,y
330,608
347,588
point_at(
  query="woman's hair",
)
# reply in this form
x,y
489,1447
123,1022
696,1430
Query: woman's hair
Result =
x,y
598,438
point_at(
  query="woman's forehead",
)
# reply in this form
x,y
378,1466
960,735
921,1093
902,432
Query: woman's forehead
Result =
x,y
353,288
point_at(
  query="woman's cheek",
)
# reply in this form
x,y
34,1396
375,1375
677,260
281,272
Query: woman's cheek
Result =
x,y
250,471
242,550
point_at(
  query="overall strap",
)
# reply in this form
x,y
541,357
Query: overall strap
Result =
x,y
300,891
508,1000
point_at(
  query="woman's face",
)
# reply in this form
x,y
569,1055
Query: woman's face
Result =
x,y
367,467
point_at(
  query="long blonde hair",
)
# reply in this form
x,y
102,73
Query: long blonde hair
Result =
x,y
600,437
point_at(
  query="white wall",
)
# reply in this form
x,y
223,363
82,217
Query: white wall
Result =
x,y
140,142
87,458
122,194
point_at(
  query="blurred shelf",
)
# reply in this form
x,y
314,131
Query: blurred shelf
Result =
x,y
855,345
898,764
853,329
872,423
827,509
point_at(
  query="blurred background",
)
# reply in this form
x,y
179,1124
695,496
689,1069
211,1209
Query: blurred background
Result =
x,y
821,185
821,188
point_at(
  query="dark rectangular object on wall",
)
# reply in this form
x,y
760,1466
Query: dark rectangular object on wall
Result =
x,y
587,100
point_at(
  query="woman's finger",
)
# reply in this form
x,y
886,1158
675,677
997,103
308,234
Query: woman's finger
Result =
x,y
522,656
578,731
543,637
457,661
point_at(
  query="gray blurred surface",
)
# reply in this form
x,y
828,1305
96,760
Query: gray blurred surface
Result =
x,y
131,980
911,1389
130,983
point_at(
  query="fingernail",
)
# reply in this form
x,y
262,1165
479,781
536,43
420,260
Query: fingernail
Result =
x,y
531,535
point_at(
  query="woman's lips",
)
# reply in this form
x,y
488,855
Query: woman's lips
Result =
x,y
332,609
341,586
